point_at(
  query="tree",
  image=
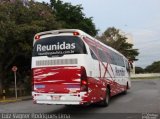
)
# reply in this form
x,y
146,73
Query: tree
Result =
x,y
18,25
139,70
72,17
113,38
153,68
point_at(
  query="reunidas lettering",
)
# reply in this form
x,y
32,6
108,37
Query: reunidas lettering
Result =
x,y
58,46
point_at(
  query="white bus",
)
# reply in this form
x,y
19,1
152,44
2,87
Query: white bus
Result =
x,y
72,68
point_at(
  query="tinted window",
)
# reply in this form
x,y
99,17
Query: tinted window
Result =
x,y
121,61
108,57
112,57
127,65
116,59
102,55
59,45
93,55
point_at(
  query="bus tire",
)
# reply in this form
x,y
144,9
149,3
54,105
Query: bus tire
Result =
x,y
105,102
125,91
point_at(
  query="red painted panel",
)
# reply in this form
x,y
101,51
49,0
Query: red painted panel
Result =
x,y
56,79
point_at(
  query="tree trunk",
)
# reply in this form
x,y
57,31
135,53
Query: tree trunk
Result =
x,y
1,77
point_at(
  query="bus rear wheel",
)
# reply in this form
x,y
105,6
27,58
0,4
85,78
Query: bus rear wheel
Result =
x,y
125,91
105,102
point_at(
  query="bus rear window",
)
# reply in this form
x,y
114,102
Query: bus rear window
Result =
x,y
59,45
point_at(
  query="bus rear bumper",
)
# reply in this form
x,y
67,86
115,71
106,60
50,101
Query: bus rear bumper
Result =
x,y
66,99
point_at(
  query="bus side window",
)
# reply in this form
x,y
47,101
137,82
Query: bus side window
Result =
x,y
108,60
127,66
93,55
102,56
113,58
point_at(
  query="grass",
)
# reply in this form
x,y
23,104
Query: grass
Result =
x,y
9,100
146,77
13,99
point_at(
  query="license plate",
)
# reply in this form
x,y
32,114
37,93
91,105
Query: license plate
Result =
x,y
55,98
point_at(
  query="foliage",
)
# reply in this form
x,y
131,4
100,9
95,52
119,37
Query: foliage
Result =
x,y
139,70
72,17
153,68
19,22
116,40
18,25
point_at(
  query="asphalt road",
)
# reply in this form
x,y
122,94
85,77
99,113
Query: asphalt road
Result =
x,y
143,99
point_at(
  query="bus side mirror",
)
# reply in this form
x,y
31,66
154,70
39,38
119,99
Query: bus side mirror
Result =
x,y
131,64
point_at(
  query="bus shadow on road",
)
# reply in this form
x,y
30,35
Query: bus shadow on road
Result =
x,y
118,96
93,108
94,111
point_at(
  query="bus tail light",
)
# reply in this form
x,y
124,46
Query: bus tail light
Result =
x,y
32,73
84,81
75,33
37,37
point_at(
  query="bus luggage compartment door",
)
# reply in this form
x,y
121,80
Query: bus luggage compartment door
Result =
x,y
60,79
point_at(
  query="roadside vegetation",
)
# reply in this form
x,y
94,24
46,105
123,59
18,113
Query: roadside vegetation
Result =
x,y
153,68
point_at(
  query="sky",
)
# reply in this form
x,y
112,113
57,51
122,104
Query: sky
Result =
x,y
140,18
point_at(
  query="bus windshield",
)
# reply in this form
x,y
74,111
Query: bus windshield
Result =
x,y
59,45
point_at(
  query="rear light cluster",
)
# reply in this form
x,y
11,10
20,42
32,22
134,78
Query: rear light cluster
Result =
x,y
75,33
32,75
37,37
84,81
